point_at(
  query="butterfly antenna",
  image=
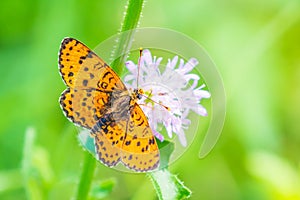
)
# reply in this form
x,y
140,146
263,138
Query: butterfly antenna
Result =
x,y
166,107
137,83
139,66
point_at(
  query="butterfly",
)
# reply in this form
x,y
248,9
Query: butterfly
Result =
x,y
97,99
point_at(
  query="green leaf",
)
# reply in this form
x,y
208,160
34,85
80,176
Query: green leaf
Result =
x,y
183,191
103,188
168,186
165,148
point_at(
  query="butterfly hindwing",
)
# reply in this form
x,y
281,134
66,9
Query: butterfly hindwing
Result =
x,y
129,139
139,151
84,107
109,138
106,153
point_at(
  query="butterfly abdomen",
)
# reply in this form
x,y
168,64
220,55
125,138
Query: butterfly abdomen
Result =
x,y
103,123
120,107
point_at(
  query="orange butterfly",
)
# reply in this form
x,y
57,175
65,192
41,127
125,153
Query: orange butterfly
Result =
x,y
98,100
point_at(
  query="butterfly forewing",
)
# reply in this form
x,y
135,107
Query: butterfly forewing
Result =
x,y
80,67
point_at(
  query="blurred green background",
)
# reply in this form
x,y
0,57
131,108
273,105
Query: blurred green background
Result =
x,y
256,46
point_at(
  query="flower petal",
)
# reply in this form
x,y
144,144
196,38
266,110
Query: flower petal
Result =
x,y
201,94
172,63
158,135
182,138
192,77
147,57
200,110
157,62
131,67
189,66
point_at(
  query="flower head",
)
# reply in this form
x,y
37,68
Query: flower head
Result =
x,y
170,94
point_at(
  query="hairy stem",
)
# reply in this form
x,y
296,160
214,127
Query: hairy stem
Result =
x,y
86,178
130,22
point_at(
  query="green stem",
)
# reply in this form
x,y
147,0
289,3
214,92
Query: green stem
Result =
x,y
32,187
86,178
168,186
130,22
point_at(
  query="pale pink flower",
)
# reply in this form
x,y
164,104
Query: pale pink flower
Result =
x,y
174,86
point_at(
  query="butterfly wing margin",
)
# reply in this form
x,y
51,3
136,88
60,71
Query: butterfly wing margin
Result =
x,y
139,151
81,68
107,153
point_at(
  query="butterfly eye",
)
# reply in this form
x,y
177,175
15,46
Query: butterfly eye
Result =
x,y
139,96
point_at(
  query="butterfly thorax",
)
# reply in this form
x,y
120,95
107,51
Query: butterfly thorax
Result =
x,y
137,94
122,102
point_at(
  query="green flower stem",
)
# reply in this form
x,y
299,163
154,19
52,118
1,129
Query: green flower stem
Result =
x,y
131,18
130,22
89,166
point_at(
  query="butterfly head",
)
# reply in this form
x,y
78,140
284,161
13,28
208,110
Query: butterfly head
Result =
x,y
138,93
